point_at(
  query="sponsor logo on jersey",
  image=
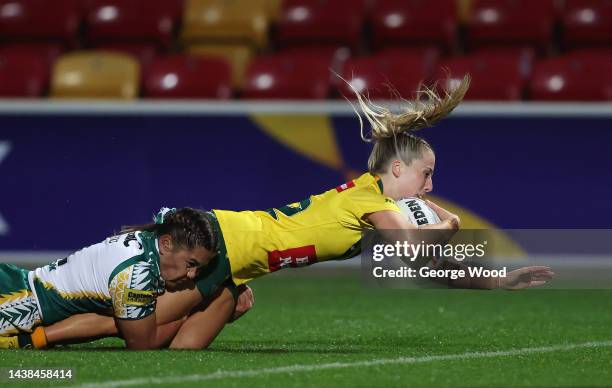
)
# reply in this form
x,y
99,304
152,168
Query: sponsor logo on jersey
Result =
x,y
294,257
138,297
345,186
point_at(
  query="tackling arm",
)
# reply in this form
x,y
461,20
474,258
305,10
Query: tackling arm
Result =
x,y
172,310
202,327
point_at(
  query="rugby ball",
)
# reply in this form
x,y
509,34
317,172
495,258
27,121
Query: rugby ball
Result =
x,y
417,211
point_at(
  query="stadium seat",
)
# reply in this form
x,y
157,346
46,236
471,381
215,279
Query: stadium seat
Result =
x,y
282,76
174,8
225,22
238,56
331,22
123,21
592,53
184,76
575,77
38,20
273,9
464,9
414,22
387,73
511,23
47,51
526,54
144,53
334,56
587,23
495,76
23,74
95,75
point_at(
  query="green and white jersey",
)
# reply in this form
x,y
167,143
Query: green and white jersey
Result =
x,y
120,274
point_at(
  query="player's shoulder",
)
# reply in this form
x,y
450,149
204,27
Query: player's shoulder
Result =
x,y
366,195
135,282
127,244
135,255
365,186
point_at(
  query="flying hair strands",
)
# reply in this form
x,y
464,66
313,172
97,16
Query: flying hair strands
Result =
x,y
417,115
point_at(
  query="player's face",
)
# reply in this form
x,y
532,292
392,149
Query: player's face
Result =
x,y
180,265
415,180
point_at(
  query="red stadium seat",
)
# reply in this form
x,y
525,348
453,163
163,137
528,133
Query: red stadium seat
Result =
x,y
526,54
288,76
143,53
495,75
40,20
415,22
575,77
183,76
511,23
587,22
332,22
125,21
23,74
335,56
599,53
48,51
386,73
173,8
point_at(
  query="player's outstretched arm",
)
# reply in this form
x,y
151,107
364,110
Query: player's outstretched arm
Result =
x,y
515,280
525,277
81,328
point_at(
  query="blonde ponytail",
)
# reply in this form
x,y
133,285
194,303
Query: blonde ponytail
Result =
x,y
428,109
417,115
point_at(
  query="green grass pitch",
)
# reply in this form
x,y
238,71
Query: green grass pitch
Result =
x,y
330,331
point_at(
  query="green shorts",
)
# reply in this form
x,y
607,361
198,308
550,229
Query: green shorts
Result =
x,y
18,307
217,273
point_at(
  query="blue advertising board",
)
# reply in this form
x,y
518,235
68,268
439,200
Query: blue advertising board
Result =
x,y
69,180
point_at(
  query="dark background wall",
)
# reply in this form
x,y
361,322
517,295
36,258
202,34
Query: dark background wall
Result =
x,y
70,180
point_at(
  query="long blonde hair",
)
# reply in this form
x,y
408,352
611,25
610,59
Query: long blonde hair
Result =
x,y
392,133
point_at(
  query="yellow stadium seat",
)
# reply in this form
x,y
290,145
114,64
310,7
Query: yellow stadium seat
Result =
x,y
273,9
238,56
464,9
226,21
96,74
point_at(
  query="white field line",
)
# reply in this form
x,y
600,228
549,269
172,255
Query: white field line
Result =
x,y
225,374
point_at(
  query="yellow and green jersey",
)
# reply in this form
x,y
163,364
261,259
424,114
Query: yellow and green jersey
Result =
x,y
323,227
